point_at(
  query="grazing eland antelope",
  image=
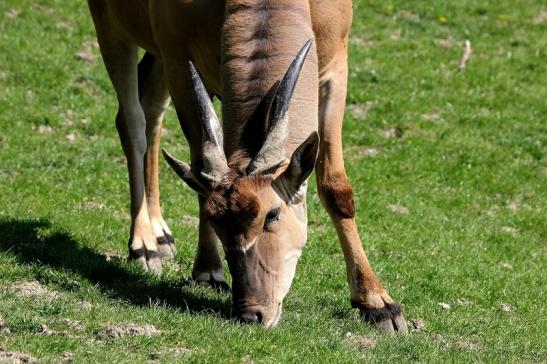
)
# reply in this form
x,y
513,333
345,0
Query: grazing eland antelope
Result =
x,y
280,68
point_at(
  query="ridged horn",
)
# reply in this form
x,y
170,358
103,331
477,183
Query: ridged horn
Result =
x,y
215,165
272,152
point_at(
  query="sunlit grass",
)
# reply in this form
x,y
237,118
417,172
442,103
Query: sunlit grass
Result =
x,y
448,168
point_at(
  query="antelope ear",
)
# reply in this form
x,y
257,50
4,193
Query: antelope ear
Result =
x,y
302,163
184,171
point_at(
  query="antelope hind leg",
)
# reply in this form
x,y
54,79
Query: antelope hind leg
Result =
x,y
120,59
154,99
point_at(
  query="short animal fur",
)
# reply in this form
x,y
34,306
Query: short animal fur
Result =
x,y
280,68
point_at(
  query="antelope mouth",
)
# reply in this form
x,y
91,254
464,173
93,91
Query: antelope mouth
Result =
x,y
259,315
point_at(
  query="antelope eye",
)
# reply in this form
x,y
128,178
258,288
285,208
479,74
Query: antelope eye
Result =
x,y
272,216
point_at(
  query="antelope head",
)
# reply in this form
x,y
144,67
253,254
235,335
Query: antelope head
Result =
x,y
257,207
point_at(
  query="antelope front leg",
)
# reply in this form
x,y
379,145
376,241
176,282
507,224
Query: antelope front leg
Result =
x,y
154,99
207,270
336,194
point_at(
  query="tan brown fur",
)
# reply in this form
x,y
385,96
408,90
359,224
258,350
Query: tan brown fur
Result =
x,y
236,200
260,40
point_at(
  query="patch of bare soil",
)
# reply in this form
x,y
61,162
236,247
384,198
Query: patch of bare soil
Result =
x,y
360,40
33,289
407,15
434,117
445,42
178,352
74,325
393,132
64,25
41,8
463,302
369,152
88,51
4,329
509,230
181,351
70,328
85,305
540,18
45,129
190,220
363,341
444,306
115,331
361,152
456,342
467,345
360,111
112,255
398,209
14,357
513,206
417,325
396,34
88,86
67,357
12,13
45,330
440,339
247,360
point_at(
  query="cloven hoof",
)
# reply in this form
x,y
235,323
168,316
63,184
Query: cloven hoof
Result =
x,y
388,318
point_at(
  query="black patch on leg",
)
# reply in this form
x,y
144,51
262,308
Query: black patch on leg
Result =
x,y
142,253
137,254
144,69
166,248
163,240
221,286
170,238
374,315
152,255
171,241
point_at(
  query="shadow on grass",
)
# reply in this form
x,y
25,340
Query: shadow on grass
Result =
x,y
115,278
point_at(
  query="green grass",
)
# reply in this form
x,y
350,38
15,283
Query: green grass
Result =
x,y
468,163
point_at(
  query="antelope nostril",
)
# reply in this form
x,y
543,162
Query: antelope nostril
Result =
x,y
250,317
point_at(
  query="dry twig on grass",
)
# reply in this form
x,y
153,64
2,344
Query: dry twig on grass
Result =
x,y
467,51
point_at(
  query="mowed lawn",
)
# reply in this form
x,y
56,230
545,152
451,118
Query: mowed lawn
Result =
x,y
448,168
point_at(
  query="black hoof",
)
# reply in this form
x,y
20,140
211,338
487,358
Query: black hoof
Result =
x,y
149,260
166,247
219,286
388,318
171,241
